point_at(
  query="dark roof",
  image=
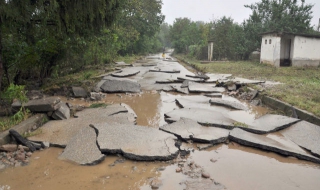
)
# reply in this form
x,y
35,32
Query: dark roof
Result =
x,y
289,33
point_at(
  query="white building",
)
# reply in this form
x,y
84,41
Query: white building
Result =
x,y
288,49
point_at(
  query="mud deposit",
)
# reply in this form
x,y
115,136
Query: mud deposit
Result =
x,y
234,166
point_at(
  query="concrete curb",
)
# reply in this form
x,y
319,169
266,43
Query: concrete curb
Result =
x,y
34,121
288,109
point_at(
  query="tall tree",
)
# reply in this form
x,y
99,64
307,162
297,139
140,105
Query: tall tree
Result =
x,y
282,15
275,15
42,28
143,18
184,33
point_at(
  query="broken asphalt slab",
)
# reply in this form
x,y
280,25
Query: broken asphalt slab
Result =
x,y
126,72
202,116
177,88
261,142
198,101
214,95
59,132
217,77
187,129
265,124
46,104
82,148
120,85
136,142
164,71
239,80
200,76
198,88
306,135
62,113
31,123
235,104
121,63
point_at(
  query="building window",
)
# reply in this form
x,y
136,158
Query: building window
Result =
x,y
265,41
270,41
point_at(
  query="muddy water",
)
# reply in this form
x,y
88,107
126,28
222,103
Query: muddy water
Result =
x,y
236,167
45,171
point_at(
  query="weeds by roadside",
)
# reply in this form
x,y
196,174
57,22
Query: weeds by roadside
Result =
x,y
32,133
14,92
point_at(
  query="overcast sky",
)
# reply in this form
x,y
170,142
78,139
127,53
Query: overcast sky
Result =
x,y
206,10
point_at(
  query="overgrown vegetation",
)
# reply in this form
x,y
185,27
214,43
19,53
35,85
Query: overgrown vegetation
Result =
x,y
14,92
42,38
301,85
98,105
32,133
239,124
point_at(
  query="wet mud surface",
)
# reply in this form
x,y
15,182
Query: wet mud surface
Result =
x,y
232,165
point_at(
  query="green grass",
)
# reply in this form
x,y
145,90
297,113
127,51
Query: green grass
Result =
x,y
98,105
8,122
301,85
32,133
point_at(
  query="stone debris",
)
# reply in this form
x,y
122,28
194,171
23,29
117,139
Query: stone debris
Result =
x,y
136,142
156,183
235,104
122,85
15,158
197,177
232,87
306,135
187,129
9,147
82,148
79,92
202,116
94,96
62,113
39,105
259,141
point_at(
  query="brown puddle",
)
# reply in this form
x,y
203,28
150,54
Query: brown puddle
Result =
x,y
236,167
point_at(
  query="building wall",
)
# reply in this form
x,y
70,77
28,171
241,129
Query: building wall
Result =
x,y
270,52
306,51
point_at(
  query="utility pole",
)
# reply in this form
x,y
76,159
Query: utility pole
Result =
x,y
319,25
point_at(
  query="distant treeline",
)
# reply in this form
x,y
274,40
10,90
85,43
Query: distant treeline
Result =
x,y
236,41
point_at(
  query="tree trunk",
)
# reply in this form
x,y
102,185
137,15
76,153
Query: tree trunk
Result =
x,y
1,63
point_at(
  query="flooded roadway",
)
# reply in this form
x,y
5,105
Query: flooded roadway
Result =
x,y
235,166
